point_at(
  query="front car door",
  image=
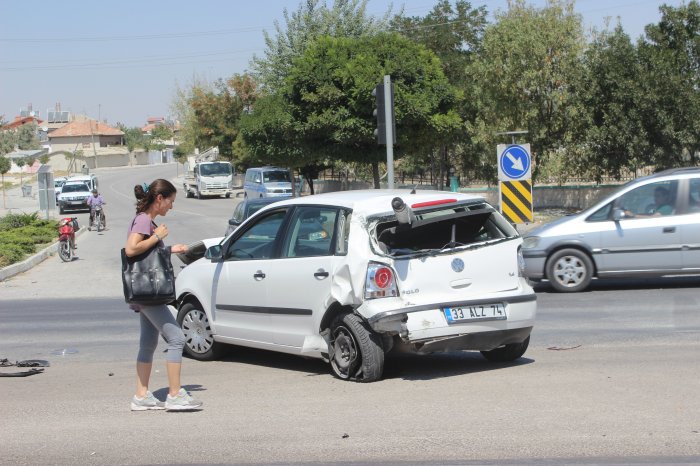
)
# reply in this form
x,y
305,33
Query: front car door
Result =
x,y
647,238
240,285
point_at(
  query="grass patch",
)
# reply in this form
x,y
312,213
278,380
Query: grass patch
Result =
x,y
22,234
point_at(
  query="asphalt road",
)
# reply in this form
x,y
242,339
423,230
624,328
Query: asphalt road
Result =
x,y
611,377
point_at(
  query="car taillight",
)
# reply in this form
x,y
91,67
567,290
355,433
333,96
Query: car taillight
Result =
x,y
380,282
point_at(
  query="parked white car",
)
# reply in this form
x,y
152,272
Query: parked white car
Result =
x,y
346,276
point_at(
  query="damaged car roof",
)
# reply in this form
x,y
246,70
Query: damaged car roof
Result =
x,y
379,200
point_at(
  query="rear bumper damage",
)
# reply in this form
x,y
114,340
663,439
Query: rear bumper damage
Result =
x,y
426,329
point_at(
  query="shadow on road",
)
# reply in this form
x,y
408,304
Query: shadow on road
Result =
x,y
617,284
404,366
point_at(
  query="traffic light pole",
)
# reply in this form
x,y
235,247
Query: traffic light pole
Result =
x,y
388,119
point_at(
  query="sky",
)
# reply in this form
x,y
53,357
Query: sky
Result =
x,y
123,61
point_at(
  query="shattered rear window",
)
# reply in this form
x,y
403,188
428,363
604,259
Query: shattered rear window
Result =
x,y
441,229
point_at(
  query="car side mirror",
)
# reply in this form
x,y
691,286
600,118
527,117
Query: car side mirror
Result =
x,y
215,253
233,222
618,214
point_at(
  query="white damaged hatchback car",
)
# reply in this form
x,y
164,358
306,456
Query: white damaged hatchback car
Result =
x,y
347,276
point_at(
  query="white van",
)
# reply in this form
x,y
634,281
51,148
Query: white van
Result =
x,y
90,180
267,182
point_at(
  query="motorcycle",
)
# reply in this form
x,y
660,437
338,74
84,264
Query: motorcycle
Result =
x,y
97,218
66,238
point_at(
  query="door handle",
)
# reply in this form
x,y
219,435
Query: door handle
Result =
x,y
320,273
259,275
669,229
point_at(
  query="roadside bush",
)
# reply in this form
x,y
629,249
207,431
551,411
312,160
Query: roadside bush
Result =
x,y
10,253
21,233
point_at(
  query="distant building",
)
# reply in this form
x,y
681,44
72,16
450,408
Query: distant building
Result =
x,y
101,145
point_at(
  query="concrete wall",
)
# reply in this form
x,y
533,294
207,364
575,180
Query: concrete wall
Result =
x,y
543,197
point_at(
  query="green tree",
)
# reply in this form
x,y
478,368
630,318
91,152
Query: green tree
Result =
x,y
159,135
27,138
312,19
4,168
614,136
525,75
133,137
455,35
21,162
670,59
181,108
7,142
325,109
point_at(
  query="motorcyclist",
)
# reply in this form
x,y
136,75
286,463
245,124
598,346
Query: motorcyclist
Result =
x,y
93,201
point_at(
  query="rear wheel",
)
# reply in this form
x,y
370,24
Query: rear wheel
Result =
x,y
507,353
199,339
64,251
569,270
357,350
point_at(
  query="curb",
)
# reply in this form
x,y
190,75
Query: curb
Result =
x,y
19,267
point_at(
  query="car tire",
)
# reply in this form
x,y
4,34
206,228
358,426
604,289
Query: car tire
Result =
x,y
358,354
569,270
507,353
199,339
228,195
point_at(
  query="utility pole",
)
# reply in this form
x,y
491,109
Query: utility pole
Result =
x,y
384,94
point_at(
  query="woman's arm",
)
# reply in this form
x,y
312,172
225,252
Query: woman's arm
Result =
x,y
137,243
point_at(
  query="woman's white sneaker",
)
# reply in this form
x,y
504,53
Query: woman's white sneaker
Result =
x,y
182,402
147,402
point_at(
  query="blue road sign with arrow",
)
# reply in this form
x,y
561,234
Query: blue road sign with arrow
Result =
x,y
514,162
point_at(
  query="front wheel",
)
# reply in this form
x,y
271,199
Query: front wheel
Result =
x,y
64,251
199,339
357,350
507,353
569,270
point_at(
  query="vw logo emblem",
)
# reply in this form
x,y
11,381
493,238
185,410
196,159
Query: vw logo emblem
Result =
x,y
457,265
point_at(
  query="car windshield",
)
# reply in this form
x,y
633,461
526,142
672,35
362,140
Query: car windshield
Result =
x,y
74,188
276,175
215,169
441,229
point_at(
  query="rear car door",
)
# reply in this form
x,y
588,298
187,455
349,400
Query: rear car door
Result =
x,y
299,283
690,227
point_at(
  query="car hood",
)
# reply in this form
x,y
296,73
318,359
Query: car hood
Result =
x,y
553,226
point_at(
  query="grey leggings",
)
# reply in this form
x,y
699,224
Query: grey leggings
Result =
x,y
158,320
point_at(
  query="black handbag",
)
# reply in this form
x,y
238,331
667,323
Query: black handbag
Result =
x,y
149,277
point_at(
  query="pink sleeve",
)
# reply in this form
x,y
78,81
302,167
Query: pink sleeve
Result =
x,y
142,225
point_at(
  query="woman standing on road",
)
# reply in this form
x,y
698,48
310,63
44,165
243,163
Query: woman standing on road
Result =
x,y
151,201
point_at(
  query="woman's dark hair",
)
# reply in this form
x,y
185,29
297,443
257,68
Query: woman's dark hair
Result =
x,y
146,194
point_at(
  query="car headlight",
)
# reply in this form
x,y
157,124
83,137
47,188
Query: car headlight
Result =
x,y
531,242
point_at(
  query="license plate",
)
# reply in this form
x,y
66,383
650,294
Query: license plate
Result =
x,y
76,202
496,311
